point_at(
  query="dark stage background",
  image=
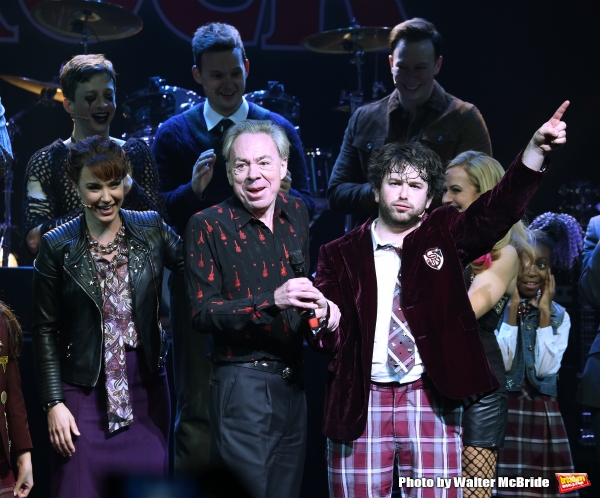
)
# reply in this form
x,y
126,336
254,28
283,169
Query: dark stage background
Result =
x,y
516,60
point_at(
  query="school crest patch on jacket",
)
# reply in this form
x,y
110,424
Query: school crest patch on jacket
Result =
x,y
434,258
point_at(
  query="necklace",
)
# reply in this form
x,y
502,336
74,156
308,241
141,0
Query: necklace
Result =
x,y
108,248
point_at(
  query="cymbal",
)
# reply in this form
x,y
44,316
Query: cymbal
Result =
x,y
33,86
347,40
105,21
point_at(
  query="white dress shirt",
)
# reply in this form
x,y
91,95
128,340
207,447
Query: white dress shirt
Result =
x,y
549,347
213,118
387,266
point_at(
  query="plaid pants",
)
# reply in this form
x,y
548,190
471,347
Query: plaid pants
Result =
x,y
406,426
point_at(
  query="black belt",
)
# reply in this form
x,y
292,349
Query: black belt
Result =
x,y
423,382
272,367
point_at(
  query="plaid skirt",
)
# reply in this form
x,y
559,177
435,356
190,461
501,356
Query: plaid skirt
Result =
x,y
536,444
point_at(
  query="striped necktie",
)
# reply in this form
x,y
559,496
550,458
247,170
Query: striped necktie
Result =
x,y
401,343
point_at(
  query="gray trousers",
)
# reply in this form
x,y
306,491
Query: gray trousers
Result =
x,y
192,372
258,429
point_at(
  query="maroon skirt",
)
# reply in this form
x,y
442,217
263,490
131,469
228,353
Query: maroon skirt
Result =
x,y
138,449
7,481
536,444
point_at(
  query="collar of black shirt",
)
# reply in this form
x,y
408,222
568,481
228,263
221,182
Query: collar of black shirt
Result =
x,y
243,216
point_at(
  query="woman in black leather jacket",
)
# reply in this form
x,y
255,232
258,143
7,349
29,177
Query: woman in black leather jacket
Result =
x,y
99,347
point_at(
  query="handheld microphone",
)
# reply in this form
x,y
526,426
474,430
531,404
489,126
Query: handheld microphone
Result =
x,y
297,263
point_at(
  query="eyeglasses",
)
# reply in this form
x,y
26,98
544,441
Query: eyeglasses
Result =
x,y
241,168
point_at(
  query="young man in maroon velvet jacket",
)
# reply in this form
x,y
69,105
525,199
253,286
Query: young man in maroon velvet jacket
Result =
x,y
379,413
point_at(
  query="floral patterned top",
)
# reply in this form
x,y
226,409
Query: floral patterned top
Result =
x,y
119,331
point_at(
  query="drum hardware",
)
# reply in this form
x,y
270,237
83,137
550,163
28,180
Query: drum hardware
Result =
x,y
355,40
44,89
47,98
150,107
6,227
276,100
349,101
348,40
379,89
319,163
79,18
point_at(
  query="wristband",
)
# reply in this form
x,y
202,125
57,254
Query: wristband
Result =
x,y
48,406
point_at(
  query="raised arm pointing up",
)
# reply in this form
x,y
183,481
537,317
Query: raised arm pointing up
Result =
x,y
551,135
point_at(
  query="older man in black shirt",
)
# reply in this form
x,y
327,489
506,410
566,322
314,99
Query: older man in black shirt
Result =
x,y
241,285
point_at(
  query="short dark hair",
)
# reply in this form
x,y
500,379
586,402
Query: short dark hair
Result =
x,y
215,37
81,68
395,157
105,159
416,30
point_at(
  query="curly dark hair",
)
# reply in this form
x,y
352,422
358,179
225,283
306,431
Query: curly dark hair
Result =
x,y
104,158
395,157
15,334
561,234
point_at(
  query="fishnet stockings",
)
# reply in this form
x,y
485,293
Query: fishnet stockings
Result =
x,y
478,462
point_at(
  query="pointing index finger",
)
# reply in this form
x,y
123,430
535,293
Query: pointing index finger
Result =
x,y
559,113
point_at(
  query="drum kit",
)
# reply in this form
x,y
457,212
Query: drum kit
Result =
x,y
146,109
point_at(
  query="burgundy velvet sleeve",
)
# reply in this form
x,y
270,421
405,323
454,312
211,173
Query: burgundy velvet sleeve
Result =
x,y
327,282
490,217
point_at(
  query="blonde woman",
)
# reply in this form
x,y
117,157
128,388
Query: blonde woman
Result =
x,y
490,280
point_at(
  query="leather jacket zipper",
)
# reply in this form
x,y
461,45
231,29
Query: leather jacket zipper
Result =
x,y
161,358
99,310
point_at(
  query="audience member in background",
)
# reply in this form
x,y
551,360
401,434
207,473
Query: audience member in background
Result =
x,y
99,347
589,290
533,337
490,281
88,84
14,429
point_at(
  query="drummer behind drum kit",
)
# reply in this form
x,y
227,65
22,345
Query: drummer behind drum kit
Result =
x,y
148,108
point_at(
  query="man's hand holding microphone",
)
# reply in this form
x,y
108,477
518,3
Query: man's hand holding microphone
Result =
x,y
299,292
